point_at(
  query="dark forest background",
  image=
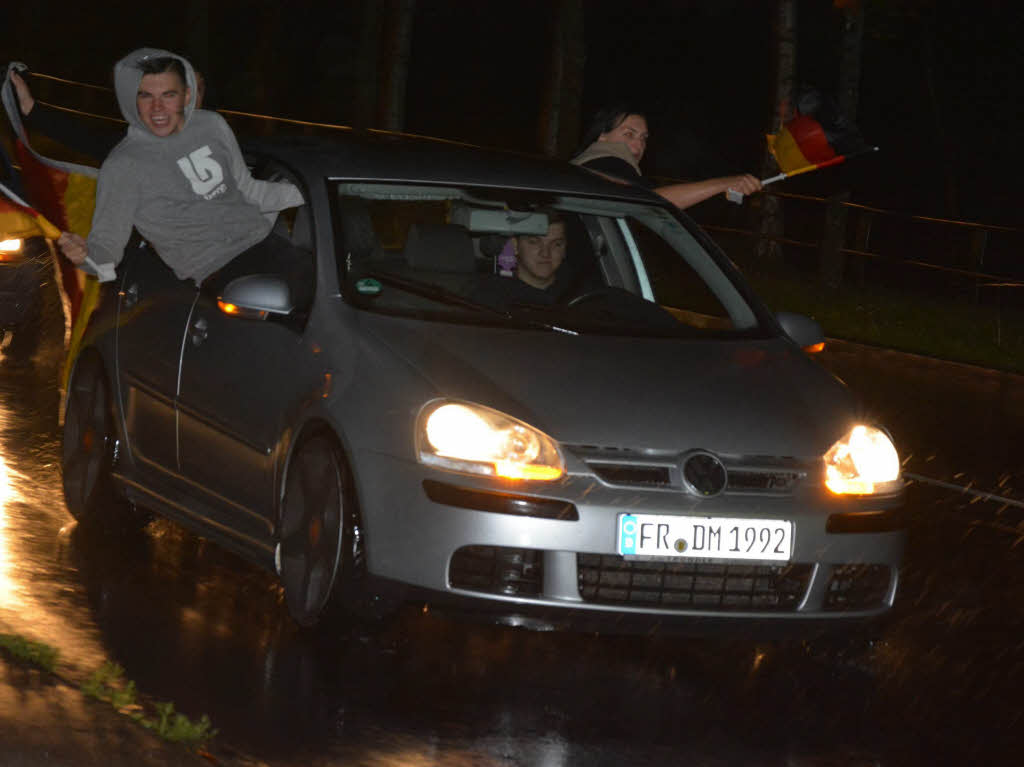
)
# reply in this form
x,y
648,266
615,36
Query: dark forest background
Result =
x,y
940,86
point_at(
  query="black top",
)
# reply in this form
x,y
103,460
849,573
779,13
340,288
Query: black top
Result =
x,y
616,166
502,292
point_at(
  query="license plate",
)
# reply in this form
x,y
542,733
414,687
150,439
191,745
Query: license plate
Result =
x,y
661,535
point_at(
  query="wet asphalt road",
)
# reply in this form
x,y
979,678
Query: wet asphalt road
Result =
x,y
194,625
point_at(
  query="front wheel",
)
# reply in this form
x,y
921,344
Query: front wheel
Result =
x,y
314,528
90,445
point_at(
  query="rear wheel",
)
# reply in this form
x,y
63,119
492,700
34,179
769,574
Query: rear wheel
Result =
x,y
315,531
89,449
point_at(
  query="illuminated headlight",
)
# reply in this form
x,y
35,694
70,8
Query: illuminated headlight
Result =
x,y
864,462
10,246
478,440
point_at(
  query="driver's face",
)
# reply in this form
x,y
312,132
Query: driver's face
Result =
x,y
540,256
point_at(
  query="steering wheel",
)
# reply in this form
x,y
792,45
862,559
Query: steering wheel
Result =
x,y
590,295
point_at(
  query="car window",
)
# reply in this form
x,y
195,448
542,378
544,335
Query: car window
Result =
x,y
542,261
673,282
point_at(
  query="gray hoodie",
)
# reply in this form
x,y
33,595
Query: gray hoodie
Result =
x,y
189,194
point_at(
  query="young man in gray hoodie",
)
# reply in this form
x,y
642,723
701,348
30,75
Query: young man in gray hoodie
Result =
x,y
179,178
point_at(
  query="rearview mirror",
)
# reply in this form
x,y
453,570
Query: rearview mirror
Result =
x,y
256,295
803,330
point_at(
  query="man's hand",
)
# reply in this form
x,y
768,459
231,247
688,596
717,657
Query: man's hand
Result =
x,y
25,100
74,247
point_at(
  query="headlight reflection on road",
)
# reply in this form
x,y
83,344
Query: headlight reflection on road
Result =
x,y
9,592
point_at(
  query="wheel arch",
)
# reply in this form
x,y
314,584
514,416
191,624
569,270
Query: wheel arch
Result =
x,y
317,426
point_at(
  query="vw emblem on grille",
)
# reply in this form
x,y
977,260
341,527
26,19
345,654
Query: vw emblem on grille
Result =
x,y
704,474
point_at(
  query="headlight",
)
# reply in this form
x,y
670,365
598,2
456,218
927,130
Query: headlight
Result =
x,y
9,247
864,462
478,440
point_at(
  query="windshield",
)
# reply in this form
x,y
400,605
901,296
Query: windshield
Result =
x,y
540,260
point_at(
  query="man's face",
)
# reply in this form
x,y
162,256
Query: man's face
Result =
x,y
540,256
632,132
161,103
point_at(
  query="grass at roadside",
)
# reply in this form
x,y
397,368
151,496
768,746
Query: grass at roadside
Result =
x,y
949,329
36,654
108,684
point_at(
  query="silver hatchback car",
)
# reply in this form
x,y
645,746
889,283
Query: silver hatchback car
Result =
x,y
637,443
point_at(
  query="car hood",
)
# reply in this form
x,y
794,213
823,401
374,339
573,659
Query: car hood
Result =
x,y
762,397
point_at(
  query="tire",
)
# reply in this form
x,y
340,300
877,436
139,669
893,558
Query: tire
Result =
x,y
316,532
89,448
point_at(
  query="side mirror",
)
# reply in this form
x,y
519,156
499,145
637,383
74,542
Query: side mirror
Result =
x,y
256,296
803,330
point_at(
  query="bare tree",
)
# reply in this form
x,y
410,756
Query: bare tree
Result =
x,y
562,95
832,258
365,64
768,247
398,43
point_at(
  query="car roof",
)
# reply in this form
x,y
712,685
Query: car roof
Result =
x,y
380,155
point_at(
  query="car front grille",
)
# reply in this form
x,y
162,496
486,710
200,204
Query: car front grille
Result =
x,y
609,579
746,474
497,570
857,587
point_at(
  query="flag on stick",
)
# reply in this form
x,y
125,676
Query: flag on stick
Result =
x,y
64,193
818,136
18,220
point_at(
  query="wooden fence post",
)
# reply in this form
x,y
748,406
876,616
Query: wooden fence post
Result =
x,y
979,241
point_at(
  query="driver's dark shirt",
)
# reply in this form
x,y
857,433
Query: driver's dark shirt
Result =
x,y
498,291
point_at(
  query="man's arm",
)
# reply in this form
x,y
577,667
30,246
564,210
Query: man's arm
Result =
x,y
116,199
89,139
268,196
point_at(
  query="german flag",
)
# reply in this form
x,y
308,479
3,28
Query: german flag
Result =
x,y
19,221
818,136
64,193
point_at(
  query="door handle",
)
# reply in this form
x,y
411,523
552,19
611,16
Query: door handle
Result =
x,y
130,296
198,330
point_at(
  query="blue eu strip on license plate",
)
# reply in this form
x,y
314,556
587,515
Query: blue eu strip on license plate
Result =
x,y
687,537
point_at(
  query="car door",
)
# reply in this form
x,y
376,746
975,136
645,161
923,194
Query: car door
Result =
x,y
243,382
153,308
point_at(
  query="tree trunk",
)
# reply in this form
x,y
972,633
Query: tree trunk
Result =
x,y
365,65
396,71
832,257
769,250
559,119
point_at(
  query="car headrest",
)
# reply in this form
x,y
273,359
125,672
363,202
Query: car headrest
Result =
x,y
439,248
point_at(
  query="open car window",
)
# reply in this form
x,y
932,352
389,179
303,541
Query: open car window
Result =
x,y
450,254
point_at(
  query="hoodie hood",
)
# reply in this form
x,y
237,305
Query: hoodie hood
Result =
x,y
127,77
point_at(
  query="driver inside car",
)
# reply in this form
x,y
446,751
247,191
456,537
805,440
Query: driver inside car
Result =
x,y
538,258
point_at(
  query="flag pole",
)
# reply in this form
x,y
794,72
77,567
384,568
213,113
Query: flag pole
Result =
x,y
807,168
737,197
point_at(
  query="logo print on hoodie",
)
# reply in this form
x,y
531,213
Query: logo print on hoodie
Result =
x,y
203,172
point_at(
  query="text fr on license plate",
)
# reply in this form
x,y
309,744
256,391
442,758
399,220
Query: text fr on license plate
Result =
x,y
662,535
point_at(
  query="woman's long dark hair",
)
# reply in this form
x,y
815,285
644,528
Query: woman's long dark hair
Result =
x,y
606,119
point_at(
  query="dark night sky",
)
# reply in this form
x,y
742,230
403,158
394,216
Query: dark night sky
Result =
x,y
941,91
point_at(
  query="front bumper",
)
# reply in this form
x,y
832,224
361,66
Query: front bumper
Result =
x,y
547,553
